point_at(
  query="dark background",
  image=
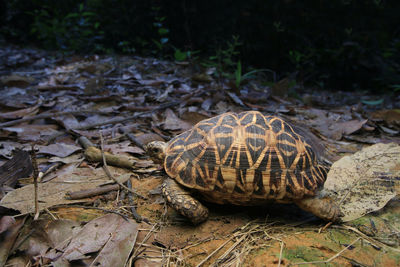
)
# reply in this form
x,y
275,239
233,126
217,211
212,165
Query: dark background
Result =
x,y
336,45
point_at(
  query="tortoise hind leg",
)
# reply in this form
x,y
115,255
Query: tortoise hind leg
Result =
x,y
323,208
183,202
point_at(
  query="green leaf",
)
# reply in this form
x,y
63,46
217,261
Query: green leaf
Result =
x,y
372,102
238,74
179,55
396,87
163,31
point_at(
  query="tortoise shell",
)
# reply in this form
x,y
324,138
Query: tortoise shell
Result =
x,y
243,159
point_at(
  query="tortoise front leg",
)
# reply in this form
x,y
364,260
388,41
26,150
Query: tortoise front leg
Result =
x,y
323,208
178,198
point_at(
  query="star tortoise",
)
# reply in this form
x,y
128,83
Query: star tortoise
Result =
x,y
242,159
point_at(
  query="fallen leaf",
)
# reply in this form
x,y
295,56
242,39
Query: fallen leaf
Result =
x,y
111,235
348,127
6,222
122,147
20,113
19,166
8,238
235,99
60,150
172,122
391,117
15,80
365,181
33,132
59,231
53,192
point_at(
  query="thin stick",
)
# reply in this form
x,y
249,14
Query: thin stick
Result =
x,y
331,258
215,251
280,254
35,183
107,171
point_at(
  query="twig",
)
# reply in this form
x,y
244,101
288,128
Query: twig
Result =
x,y
35,182
280,254
137,252
107,171
369,239
135,215
91,192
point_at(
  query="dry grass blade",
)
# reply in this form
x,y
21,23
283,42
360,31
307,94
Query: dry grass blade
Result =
x,y
280,254
370,239
215,251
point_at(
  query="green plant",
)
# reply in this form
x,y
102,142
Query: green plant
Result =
x,y
76,31
239,78
162,32
224,60
180,55
126,47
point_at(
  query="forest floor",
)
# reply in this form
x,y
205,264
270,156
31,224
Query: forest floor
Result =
x,y
56,104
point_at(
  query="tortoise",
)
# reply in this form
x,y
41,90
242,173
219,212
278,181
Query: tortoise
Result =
x,y
242,159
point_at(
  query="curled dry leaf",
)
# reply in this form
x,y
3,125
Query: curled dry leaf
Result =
x,y
366,181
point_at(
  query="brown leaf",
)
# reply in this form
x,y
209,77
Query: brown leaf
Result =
x,y
346,128
8,238
53,192
365,181
391,117
20,113
172,122
15,80
123,147
19,166
60,150
111,235
33,132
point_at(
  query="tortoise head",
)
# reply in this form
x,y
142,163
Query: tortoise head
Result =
x,y
156,151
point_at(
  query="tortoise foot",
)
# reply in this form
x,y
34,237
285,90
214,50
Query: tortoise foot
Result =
x,y
179,199
323,208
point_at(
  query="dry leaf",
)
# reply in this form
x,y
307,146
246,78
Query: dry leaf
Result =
x,y
366,181
111,235
53,192
60,150
172,122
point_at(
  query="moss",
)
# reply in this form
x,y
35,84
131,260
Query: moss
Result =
x,y
303,253
396,257
339,237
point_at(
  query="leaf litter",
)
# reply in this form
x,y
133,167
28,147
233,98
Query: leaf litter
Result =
x,y
130,101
